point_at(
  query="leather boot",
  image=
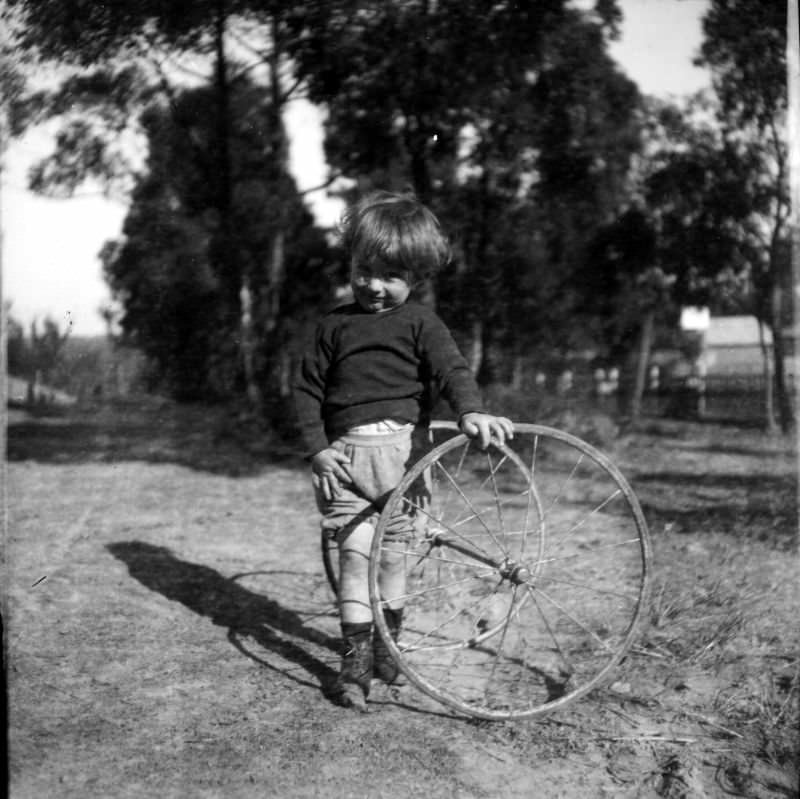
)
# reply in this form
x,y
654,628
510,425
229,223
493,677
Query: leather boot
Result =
x,y
352,685
384,664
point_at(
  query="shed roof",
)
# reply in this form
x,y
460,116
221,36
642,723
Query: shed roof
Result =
x,y
734,331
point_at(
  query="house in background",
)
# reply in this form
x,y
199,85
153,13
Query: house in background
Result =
x,y
721,370
734,346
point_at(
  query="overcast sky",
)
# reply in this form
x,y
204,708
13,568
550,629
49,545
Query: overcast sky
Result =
x,y
50,247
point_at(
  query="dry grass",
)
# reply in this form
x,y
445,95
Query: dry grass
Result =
x,y
183,636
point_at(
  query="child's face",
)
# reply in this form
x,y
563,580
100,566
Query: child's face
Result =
x,y
378,287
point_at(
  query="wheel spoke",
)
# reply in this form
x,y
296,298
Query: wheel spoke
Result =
x,y
439,559
564,485
495,490
572,618
440,626
502,641
445,525
469,504
587,587
459,467
549,629
616,545
434,589
559,539
530,492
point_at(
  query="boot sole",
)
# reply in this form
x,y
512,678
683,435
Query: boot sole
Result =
x,y
352,697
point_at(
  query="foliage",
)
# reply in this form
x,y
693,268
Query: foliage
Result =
x,y
163,272
564,192
745,47
520,147
229,243
619,271
36,355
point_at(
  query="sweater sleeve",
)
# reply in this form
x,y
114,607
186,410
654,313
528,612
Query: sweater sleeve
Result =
x,y
448,368
309,393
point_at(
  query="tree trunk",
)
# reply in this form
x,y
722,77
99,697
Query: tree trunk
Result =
x,y
276,267
222,252
475,357
769,383
248,346
643,357
517,370
276,274
793,117
783,397
284,373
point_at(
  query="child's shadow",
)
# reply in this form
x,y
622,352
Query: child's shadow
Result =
x,y
228,604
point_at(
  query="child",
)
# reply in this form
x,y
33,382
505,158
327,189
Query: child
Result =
x,y
359,394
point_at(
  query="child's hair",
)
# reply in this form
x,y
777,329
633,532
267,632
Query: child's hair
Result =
x,y
396,229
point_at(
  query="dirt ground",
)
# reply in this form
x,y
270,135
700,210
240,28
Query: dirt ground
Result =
x,y
169,631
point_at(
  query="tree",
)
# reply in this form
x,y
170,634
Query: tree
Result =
x,y
514,112
133,53
745,47
37,356
163,273
627,288
793,82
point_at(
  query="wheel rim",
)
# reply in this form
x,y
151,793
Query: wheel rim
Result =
x,y
527,580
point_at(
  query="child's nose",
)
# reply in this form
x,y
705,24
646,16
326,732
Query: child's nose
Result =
x,y
375,284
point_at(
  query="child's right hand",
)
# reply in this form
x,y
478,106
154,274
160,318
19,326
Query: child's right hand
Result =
x,y
328,465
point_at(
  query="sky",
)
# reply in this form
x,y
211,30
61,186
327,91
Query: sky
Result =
x,y
50,247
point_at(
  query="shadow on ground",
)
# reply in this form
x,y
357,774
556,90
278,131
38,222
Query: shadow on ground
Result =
x,y
245,615
206,438
759,506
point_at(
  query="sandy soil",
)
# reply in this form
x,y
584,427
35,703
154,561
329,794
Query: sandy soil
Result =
x,y
170,632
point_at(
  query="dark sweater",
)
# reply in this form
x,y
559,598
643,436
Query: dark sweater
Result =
x,y
365,367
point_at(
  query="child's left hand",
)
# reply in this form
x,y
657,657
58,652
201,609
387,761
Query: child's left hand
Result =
x,y
484,426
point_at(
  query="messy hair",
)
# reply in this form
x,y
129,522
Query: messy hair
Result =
x,y
396,229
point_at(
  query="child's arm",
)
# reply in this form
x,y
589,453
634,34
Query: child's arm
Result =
x,y
484,427
309,392
327,463
450,372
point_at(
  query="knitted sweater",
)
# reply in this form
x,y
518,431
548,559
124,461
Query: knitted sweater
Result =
x,y
370,366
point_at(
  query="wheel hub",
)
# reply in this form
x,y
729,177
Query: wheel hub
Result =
x,y
516,573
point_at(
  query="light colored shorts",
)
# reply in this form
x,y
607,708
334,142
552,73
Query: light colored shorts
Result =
x,y
377,465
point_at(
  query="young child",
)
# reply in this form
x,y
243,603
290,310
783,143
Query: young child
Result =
x,y
359,394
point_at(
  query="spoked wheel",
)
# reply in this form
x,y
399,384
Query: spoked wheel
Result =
x,y
330,560
525,577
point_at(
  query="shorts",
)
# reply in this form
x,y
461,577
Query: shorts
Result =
x,y
377,465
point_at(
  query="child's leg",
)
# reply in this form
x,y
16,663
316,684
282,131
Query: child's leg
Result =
x,y
392,583
354,549
376,466
356,616
392,576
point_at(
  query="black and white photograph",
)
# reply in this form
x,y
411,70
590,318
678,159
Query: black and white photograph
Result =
x,y
401,399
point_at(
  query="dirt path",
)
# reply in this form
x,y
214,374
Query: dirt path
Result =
x,y
170,633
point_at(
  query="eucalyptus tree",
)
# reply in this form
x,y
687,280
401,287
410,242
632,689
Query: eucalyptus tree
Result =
x,y
744,46
509,118
132,55
162,270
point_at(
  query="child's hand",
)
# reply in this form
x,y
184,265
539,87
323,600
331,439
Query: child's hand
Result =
x,y
328,464
484,426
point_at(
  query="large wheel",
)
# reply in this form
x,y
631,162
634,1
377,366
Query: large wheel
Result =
x,y
526,576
